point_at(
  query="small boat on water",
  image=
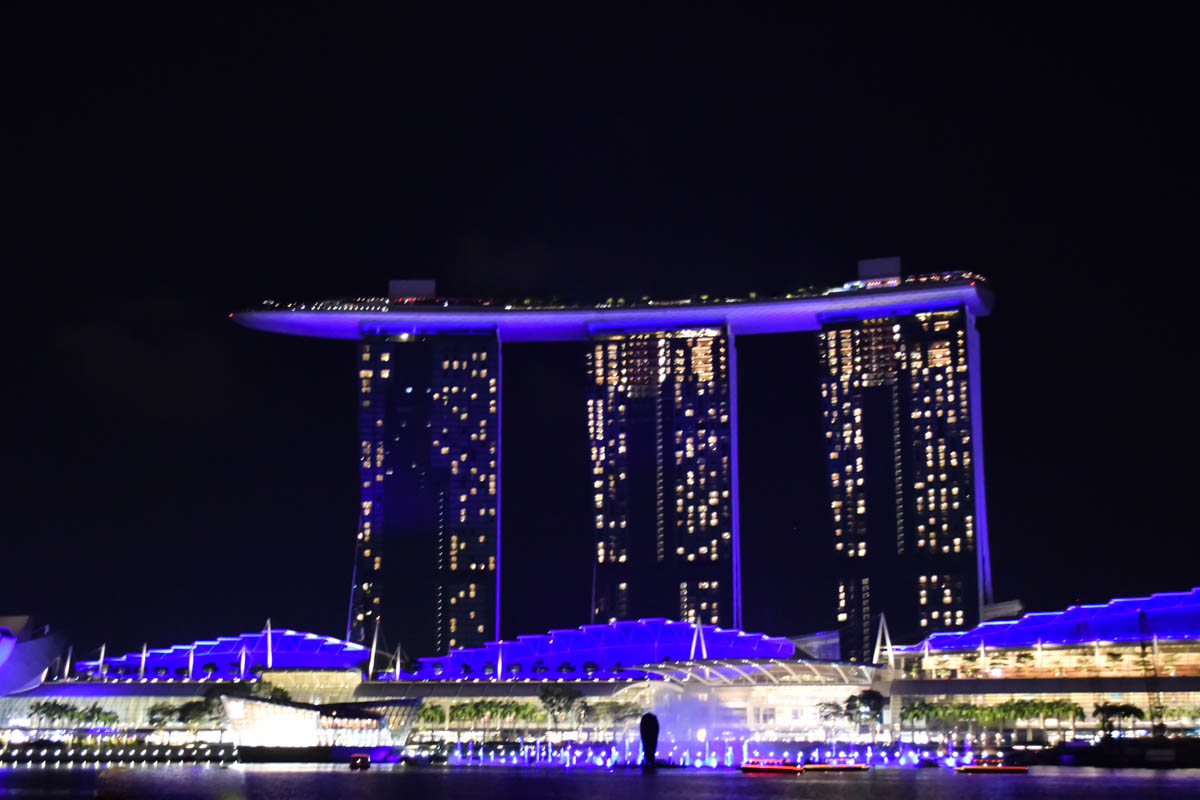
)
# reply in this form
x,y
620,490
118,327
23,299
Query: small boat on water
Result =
x,y
360,761
837,764
762,765
986,766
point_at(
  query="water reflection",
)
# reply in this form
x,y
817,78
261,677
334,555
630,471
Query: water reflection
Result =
x,y
292,782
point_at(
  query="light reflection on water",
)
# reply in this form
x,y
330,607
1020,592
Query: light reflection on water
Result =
x,y
292,782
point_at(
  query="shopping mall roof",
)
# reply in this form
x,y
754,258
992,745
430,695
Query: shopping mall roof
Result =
x,y
235,656
599,651
1169,615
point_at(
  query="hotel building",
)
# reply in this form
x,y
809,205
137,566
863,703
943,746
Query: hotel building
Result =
x,y
659,424
902,420
900,400
428,529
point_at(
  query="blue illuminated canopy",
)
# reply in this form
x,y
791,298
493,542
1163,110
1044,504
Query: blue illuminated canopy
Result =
x,y
1169,615
289,650
597,651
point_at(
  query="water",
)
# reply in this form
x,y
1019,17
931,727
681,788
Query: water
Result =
x,y
291,782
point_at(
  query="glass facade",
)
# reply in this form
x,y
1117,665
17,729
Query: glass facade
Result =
x,y
429,438
899,421
659,423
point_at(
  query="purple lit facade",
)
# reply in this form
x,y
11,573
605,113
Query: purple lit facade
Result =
x,y
1166,616
401,321
232,657
598,652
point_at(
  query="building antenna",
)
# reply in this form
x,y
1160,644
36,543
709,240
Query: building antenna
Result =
x,y
883,641
142,670
353,582
592,608
374,647
698,638
101,670
270,662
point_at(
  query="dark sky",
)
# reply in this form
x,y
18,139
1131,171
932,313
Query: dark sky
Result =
x,y
170,475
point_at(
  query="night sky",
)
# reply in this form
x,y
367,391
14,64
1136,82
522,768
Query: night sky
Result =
x,y
170,475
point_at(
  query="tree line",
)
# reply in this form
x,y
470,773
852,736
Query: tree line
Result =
x,y
949,717
208,708
556,703
54,712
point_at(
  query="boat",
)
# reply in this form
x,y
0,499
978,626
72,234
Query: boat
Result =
x,y
986,766
761,765
360,761
837,764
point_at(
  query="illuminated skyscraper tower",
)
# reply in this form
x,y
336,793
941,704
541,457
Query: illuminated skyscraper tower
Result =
x,y
429,431
659,421
900,398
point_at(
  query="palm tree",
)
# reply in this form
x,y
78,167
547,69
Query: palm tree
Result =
x,y
51,711
524,713
1107,712
1026,710
432,714
907,715
463,712
1061,710
1000,714
94,714
988,716
193,713
486,711
933,714
559,700
1018,710
829,713
529,712
1072,712
921,709
959,712
1041,709
1129,711
160,715
41,709
867,706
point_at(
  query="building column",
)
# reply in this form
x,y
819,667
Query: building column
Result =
x,y
983,556
499,465
735,513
